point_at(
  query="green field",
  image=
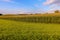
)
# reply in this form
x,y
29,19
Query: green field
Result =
x,y
20,30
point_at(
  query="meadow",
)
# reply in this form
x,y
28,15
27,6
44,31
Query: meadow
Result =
x,y
30,28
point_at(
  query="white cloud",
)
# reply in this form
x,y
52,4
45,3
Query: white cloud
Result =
x,y
6,0
48,2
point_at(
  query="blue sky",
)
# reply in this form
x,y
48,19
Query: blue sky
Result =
x,y
28,6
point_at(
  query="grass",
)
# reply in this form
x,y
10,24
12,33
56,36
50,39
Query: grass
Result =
x,y
17,30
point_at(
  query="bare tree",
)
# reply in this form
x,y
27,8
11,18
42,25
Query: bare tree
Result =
x,y
0,14
57,11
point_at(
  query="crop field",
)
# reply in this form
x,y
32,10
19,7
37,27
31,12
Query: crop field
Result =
x,y
29,28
